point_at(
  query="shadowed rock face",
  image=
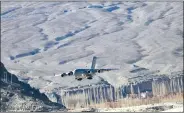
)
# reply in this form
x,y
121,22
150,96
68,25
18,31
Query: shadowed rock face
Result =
x,y
21,96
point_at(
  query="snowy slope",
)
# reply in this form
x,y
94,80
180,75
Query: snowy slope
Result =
x,y
41,39
158,107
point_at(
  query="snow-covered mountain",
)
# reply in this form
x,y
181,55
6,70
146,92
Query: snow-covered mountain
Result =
x,y
40,40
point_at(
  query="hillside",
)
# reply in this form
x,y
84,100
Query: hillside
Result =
x,y
19,96
42,40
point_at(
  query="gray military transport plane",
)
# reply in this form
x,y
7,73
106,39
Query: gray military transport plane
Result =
x,y
86,73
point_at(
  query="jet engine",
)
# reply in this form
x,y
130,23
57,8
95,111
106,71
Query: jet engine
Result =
x,y
70,73
64,74
99,71
89,72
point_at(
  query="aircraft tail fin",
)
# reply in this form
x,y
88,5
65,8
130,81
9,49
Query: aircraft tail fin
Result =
x,y
93,62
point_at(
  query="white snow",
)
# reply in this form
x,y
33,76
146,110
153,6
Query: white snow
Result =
x,y
175,107
42,39
167,107
179,109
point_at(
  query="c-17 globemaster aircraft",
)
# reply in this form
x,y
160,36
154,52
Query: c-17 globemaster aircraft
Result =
x,y
86,73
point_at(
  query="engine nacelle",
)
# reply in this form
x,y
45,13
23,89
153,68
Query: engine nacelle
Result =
x,y
89,72
70,73
64,74
99,71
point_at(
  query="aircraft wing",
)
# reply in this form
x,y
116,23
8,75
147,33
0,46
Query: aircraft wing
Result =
x,y
103,70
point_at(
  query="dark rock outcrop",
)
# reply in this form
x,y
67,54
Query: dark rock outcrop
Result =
x,y
19,96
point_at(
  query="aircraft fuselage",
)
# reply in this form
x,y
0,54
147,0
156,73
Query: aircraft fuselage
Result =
x,y
84,73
